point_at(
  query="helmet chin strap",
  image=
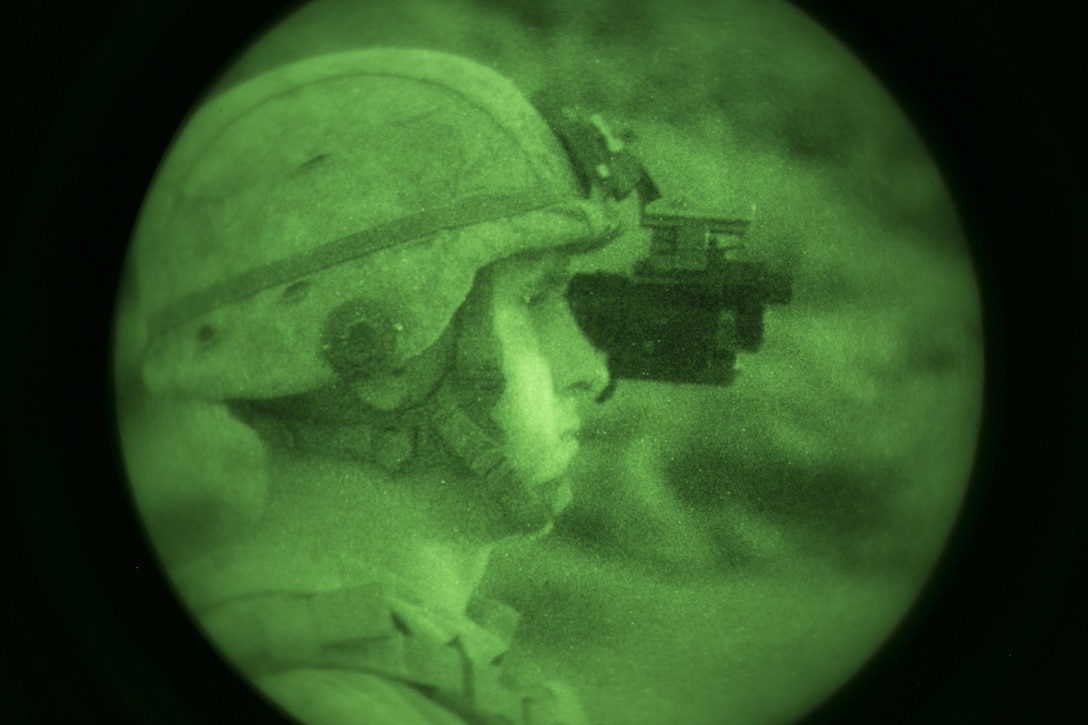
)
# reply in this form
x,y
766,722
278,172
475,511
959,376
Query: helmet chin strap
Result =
x,y
468,441
421,438
445,431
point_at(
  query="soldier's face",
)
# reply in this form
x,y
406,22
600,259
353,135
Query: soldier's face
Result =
x,y
549,368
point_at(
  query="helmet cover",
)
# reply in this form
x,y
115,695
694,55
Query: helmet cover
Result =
x,y
375,182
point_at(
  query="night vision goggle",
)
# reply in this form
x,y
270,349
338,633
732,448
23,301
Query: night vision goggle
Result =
x,y
693,303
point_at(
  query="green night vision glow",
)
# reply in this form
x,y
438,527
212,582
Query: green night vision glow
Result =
x,y
699,474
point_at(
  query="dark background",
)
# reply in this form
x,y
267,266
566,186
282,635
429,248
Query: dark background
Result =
x,y
96,632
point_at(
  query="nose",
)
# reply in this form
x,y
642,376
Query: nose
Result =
x,y
579,368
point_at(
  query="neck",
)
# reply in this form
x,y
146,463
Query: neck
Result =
x,y
331,523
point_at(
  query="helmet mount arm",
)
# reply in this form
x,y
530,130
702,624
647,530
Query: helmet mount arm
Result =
x,y
693,303
599,157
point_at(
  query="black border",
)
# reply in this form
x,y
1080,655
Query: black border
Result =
x,y
98,637
99,87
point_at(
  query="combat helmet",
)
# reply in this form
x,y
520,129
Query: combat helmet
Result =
x,y
310,226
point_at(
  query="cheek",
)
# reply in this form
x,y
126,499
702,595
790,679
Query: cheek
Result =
x,y
528,402
528,411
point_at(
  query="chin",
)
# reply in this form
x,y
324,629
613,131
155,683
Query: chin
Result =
x,y
558,462
561,494
532,510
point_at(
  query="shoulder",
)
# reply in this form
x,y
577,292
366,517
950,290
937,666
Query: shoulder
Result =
x,y
333,696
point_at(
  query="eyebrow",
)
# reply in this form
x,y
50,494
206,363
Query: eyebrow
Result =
x,y
553,272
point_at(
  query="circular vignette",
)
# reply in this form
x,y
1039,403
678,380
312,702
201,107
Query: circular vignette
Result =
x,y
987,93
90,590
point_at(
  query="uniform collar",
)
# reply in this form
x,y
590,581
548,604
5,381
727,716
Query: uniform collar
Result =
x,y
254,618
